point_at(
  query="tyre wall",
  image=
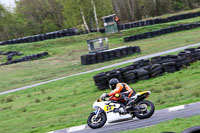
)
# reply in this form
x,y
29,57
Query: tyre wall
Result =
x,y
161,32
74,31
149,68
46,36
109,55
158,20
10,54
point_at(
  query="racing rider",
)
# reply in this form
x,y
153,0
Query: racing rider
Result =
x,y
123,89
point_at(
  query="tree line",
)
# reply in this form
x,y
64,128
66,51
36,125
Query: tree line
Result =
x,y
32,17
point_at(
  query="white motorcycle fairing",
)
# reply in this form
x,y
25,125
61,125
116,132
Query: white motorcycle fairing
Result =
x,y
108,107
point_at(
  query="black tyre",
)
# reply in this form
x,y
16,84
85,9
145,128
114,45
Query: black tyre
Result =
x,y
131,81
130,76
99,79
103,82
144,77
142,73
99,75
155,66
98,122
156,70
195,129
147,110
158,73
103,87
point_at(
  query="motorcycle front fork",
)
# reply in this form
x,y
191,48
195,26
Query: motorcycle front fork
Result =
x,y
97,112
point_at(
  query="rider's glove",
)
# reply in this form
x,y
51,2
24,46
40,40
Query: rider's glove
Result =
x,y
104,95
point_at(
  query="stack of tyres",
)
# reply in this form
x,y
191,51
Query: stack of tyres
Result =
x,y
145,69
169,67
25,58
130,76
112,55
99,57
108,55
181,62
101,81
161,31
93,58
118,53
85,59
193,54
141,63
156,70
123,52
136,49
114,74
156,59
142,74
129,50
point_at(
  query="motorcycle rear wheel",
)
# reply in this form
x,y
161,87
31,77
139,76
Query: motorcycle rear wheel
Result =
x,y
146,112
98,122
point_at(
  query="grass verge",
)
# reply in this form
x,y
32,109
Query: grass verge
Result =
x,y
68,102
65,55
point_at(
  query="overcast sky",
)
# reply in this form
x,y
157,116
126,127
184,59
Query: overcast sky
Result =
x,y
8,3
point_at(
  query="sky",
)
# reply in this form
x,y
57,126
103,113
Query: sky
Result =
x,y
8,3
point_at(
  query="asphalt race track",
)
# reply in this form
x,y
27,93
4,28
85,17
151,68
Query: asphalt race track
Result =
x,y
159,116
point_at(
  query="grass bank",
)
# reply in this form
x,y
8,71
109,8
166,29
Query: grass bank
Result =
x,y
64,58
68,102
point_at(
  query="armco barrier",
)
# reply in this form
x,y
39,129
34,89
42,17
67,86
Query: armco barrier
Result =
x,y
108,55
145,69
161,32
158,20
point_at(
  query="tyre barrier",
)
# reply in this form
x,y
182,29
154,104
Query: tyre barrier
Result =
x,y
10,54
158,21
25,58
74,31
103,56
149,68
46,36
161,32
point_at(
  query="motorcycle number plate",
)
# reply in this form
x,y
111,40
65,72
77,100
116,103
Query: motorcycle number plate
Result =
x,y
108,108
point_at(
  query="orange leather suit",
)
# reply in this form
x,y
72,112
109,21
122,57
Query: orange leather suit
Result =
x,y
122,88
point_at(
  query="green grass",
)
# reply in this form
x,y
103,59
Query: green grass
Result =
x,y
177,125
68,102
64,54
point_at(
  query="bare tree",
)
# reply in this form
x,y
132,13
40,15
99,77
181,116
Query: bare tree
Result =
x,y
84,20
131,9
95,15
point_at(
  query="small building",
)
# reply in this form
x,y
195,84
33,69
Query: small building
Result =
x,y
110,24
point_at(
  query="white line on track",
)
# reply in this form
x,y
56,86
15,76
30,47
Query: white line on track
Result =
x,y
177,108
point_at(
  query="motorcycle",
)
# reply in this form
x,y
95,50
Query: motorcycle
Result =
x,y
139,108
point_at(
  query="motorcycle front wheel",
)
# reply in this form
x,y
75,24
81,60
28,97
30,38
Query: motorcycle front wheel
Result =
x,y
96,122
147,109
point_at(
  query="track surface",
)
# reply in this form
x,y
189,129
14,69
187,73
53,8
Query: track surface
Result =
x,y
102,68
159,116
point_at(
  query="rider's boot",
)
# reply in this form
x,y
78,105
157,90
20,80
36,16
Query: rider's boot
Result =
x,y
128,101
